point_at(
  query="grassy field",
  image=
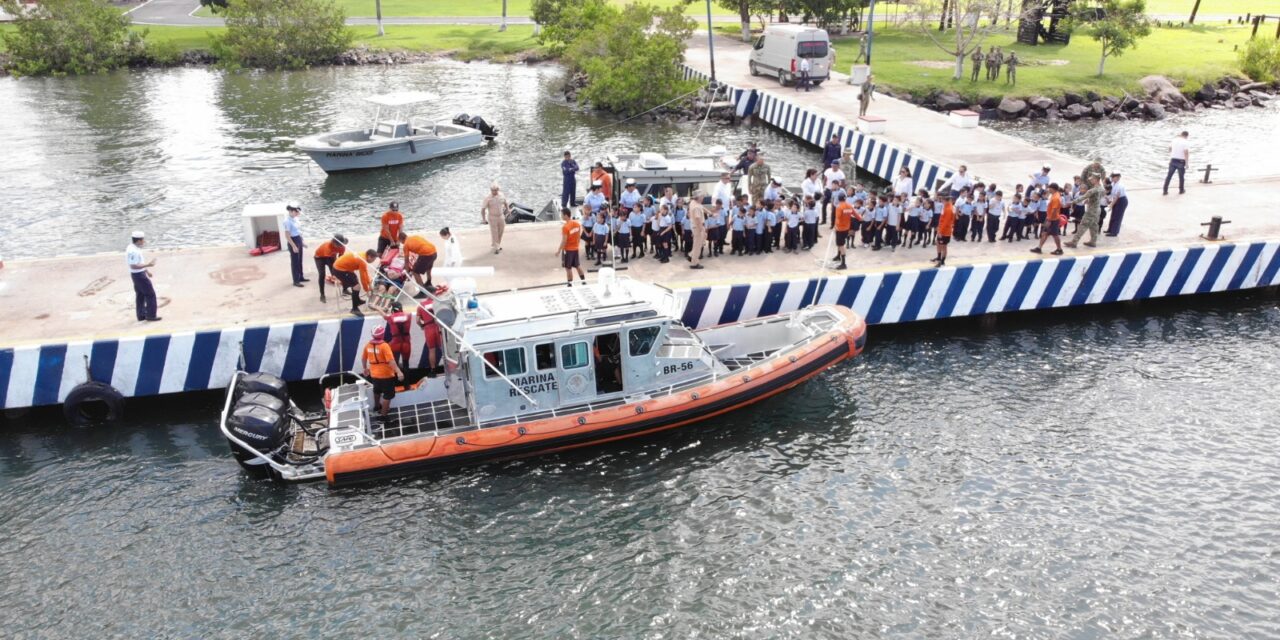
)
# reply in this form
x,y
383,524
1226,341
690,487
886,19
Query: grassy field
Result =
x,y
441,8
470,41
1194,55
1210,7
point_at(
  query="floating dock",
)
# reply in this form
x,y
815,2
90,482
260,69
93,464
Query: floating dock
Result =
x,y
71,320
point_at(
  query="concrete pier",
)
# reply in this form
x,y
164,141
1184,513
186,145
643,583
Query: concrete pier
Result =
x,y
71,320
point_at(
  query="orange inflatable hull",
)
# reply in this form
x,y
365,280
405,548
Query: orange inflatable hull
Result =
x,y
743,387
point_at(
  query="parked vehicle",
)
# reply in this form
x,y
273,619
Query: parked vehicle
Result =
x,y
778,53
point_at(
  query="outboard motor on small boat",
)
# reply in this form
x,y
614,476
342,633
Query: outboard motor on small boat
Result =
x,y
259,417
479,124
524,213
262,383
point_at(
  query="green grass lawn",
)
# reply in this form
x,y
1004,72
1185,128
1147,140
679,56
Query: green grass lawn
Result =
x,y
469,41
1210,7
430,8
1194,55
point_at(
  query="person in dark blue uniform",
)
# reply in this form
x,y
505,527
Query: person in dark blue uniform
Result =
x,y
568,167
293,238
832,151
139,271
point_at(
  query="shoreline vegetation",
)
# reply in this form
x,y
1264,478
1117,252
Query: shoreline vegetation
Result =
x,y
1202,63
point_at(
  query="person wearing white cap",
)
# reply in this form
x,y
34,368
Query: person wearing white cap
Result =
x,y
139,271
493,212
630,196
293,237
596,199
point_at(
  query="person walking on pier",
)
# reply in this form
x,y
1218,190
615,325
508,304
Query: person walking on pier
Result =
x,y
380,367
758,177
392,224
1011,68
1052,227
946,226
862,49
1179,157
353,272
1119,203
866,95
140,272
975,60
698,227
325,255
493,212
452,249
804,66
570,257
569,169
1092,212
293,238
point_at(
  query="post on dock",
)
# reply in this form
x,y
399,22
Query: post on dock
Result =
x,y
1207,169
1215,228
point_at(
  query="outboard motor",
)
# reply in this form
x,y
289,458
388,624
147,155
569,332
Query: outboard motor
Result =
x,y
487,130
262,383
521,213
258,426
259,418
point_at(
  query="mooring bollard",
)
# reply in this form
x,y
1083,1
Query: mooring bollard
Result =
x,y
1207,168
1215,228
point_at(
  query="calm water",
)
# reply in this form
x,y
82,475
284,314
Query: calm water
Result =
x,y
1077,478
179,152
1110,474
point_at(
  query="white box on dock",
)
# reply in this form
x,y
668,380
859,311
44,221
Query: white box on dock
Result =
x,y
859,73
871,124
257,218
963,118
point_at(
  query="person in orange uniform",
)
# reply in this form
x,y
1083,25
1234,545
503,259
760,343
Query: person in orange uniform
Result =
x,y
946,227
392,224
420,258
431,336
843,223
347,267
1052,221
325,256
606,181
570,239
381,369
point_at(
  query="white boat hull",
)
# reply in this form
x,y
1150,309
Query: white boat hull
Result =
x,y
336,152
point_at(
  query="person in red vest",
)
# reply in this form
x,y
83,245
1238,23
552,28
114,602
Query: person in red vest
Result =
x,y
381,369
431,335
399,325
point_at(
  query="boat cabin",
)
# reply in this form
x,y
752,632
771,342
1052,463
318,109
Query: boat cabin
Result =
x,y
654,172
549,348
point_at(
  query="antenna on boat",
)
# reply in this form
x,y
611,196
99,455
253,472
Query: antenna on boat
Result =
x,y
462,343
822,270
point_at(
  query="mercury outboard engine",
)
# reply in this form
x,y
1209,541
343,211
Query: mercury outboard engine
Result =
x,y
479,124
259,418
262,383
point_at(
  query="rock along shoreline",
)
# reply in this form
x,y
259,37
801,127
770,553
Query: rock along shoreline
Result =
x,y
1162,98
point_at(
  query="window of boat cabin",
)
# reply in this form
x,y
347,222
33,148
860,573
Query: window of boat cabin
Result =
x,y
640,341
511,362
544,356
574,355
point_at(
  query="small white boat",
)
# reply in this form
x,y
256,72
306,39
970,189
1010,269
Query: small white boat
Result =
x,y
396,136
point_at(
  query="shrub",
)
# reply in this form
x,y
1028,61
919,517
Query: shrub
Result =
x,y
68,36
282,33
1260,59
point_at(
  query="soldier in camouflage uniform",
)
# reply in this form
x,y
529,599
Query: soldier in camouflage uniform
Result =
x,y
1092,213
976,59
758,177
996,64
1011,68
1093,170
866,93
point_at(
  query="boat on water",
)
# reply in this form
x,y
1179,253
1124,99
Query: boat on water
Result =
x,y
537,370
397,136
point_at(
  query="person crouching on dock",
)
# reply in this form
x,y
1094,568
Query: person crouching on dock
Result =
x,y
348,266
325,256
420,257
381,369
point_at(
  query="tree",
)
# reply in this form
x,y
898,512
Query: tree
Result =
x,y
965,16
564,20
631,56
282,33
215,5
68,36
826,13
748,8
1117,24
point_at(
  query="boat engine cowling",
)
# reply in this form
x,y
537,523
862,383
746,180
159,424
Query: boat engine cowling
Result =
x,y
479,124
262,383
258,426
275,404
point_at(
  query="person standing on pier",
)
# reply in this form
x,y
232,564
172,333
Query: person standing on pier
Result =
x,y
392,223
946,226
866,95
832,177
1119,203
569,169
1052,227
452,250
1179,157
493,212
698,227
293,237
758,177
140,272
325,256
570,257
804,67
832,151
843,223
1092,212
599,175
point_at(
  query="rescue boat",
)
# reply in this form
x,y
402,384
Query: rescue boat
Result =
x,y
534,371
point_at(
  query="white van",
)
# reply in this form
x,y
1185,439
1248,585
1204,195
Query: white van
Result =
x,y
779,50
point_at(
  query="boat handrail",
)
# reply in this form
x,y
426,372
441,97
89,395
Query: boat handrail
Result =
x,y
222,424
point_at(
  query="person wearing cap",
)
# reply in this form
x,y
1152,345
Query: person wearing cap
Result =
x,y
569,169
380,367
697,229
352,271
598,174
832,176
452,249
293,238
325,255
630,195
758,177
1119,203
420,257
493,212
139,271
773,192
832,151
746,159
595,200
392,224
398,330
431,336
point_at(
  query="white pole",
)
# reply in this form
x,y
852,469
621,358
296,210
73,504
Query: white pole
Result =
x,y
378,9
504,16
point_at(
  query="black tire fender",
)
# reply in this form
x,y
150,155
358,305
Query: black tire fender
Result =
x,y
93,404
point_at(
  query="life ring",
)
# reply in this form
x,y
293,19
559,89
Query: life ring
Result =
x,y
93,403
